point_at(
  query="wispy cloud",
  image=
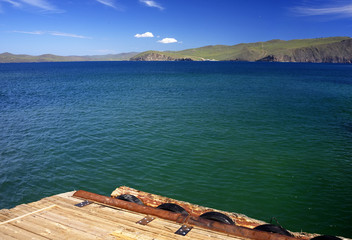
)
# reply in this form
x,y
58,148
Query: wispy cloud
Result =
x,y
168,40
40,4
13,3
144,35
109,3
53,33
338,11
151,3
61,34
43,5
33,32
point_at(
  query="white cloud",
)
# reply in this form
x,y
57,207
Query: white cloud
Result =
x,y
338,11
61,34
33,32
151,3
53,33
168,40
109,3
43,5
144,35
13,3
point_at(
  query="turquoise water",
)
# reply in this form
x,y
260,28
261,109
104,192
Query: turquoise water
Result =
x,y
262,139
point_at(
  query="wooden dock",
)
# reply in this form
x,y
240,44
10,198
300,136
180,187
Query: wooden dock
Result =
x,y
57,217
85,215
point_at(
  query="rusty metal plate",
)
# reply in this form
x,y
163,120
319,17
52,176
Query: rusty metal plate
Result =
x,y
82,204
183,230
145,220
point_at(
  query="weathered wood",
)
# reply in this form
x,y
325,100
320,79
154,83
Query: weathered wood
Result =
x,y
234,230
27,214
7,237
56,217
122,236
19,233
9,214
154,200
4,217
129,220
33,222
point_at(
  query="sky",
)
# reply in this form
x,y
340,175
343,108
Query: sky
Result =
x,y
97,27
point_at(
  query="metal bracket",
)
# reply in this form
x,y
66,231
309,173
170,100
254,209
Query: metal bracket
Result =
x,y
145,220
183,230
82,204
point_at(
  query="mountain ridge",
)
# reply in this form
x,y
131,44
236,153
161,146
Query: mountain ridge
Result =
x,y
332,49
319,50
21,58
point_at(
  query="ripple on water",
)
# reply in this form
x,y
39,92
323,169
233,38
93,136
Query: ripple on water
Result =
x,y
261,139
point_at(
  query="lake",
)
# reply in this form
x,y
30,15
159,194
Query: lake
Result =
x,y
263,139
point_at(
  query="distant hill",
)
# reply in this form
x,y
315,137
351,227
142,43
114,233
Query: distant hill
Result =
x,y
11,58
333,49
320,50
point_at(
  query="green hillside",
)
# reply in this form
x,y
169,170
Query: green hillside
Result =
x,y
11,58
333,49
276,49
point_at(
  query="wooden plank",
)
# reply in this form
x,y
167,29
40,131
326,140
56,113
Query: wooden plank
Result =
x,y
104,219
110,214
196,232
19,233
77,223
94,221
158,224
207,234
4,236
24,222
59,201
29,213
60,214
126,219
29,226
87,218
134,233
120,236
65,195
138,217
49,229
133,217
75,212
19,210
3,217
10,213
97,221
66,198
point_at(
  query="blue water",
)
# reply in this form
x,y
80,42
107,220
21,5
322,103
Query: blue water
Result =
x,y
262,139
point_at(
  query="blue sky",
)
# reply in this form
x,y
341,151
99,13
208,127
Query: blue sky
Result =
x,y
92,27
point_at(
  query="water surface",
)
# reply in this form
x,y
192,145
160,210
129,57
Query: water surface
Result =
x,y
263,139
